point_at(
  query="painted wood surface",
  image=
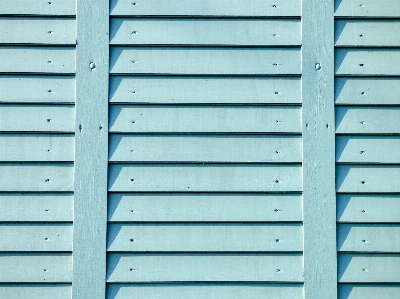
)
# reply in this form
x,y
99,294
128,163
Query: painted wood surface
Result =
x,y
205,61
204,267
368,268
38,7
35,267
368,291
35,291
43,207
204,148
37,60
204,208
194,90
37,31
368,8
191,178
171,119
36,177
36,237
254,8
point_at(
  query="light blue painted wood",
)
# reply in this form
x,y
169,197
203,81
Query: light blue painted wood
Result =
x,y
204,208
366,8
35,291
368,291
204,267
38,7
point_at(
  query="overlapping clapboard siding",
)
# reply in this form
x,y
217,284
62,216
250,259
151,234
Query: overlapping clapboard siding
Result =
x,y
367,150
37,95
205,152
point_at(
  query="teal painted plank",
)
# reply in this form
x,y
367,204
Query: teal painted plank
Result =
x,y
368,179
35,267
36,177
205,8
37,31
204,119
36,237
205,61
371,268
207,208
204,267
44,89
191,237
197,291
36,208
18,147
368,208
37,60
368,291
367,91
222,178
178,90
359,149
205,32
38,7
204,148
368,238
35,291
367,120
366,8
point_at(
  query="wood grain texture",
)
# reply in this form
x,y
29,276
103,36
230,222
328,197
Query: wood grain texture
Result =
x,y
38,7
368,291
368,8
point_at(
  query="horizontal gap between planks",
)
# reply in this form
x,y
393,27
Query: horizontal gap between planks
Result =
x,y
368,193
205,163
204,105
203,193
205,17
202,46
203,223
193,75
205,284
232,253
368,18
33,16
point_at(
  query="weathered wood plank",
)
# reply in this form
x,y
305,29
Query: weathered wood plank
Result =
x,y
38,7
256,8
367,179
36,177
191,237
37,31
368,291
205,61
366,8
370,208
368,238
18,147
350,120
204,267
204,208
170,119
36,208
204,148
205,32
37,118
35,291
41,268
368,268
191,178
36,237
189,90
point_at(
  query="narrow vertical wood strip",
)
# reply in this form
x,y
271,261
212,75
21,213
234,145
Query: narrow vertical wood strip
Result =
x,y
91,125
319,212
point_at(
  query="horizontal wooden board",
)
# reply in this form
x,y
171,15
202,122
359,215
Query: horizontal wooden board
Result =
x,y
366,8
205,207
24,118
204,148
204,267
193,90
35,291
38,7
37,31
349,33
205,32
368,238
35,267
18,147
367,62
36,177
205,61
367,179
204,237
43,89
257,8
368,208
200,291
36,208
367,91
368,291
368,268
190,178
369,120
170,119
359,149
36,237
37,60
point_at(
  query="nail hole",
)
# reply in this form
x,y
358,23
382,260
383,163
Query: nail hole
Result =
x,y
132,180
49,90
133,3
307,125
133,61
92,65
362,122
49,120
362,93
363,211
365,241
276,181
275,34
46,210
276,92
48,181
278,270
365,270
49,150
318,66
133,91
50,32
363,182
133,211
132,240
132,151
277,121
277,152
50,3
361,64
277,240
274,6
276,210
361,5
362,152
46,239
361,35
133,121
134,32
131,269
49,61
45,270
327,125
